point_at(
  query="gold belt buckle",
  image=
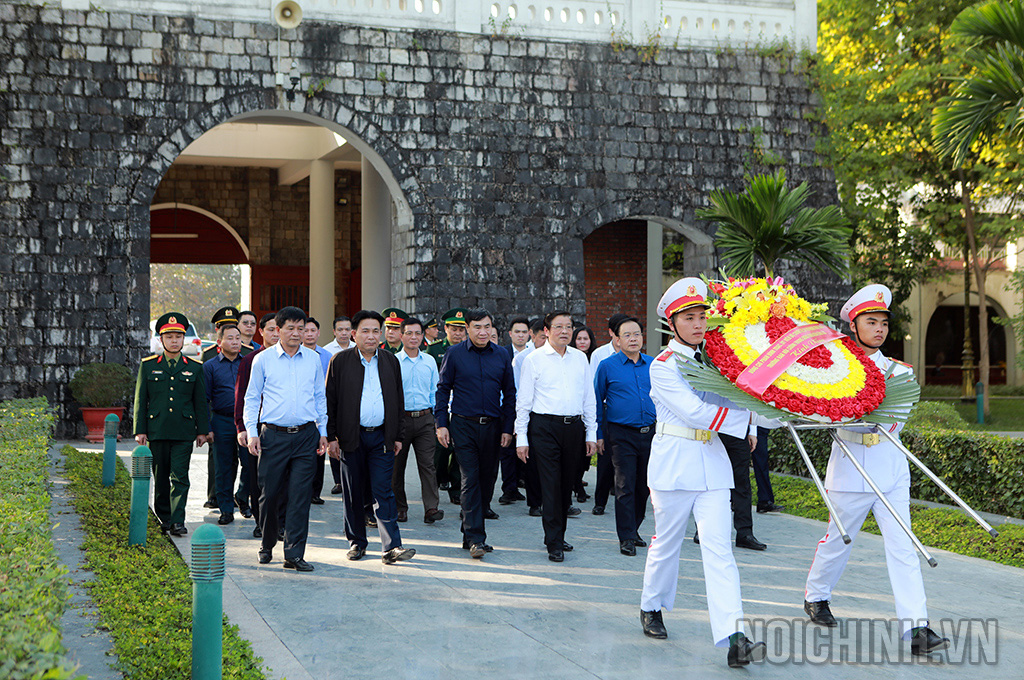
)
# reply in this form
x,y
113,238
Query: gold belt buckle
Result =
x,y
871,439
703,435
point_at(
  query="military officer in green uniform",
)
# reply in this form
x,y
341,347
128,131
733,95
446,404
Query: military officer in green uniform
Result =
x,y
220,317
393,318
170,414
449,477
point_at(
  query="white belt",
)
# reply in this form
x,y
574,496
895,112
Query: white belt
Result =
x,y
684,432
867,439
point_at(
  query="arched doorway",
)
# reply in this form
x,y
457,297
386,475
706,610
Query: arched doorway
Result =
x,y
944,342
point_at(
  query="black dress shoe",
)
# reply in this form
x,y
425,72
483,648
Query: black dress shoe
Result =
x,y
336,489
264,556
316,500
598,510
770,507
639,542
654,627
627,548
535,511
298,565
246,512
178,529
572,511
566,547
371,521
743,651
924,641
398,554
556,556
505,500
403,515
582,497
164,527
750,543
243,506
433,515
477,551
444,486
257,532
356,553
696,538
210,504
490,514
455,498
820,613
516,496
226,518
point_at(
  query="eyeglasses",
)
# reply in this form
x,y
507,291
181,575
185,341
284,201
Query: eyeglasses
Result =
x,y
630,336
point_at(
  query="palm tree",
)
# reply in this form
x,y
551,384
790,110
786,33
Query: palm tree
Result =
x,y
768,222
988,103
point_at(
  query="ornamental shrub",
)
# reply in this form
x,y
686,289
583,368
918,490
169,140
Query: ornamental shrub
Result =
x,y
102,385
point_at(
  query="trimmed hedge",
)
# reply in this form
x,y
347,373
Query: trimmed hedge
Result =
x,y
144,594
986,470
33,584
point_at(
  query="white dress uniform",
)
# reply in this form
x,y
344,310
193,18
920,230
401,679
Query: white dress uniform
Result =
x,y
853,498
688,474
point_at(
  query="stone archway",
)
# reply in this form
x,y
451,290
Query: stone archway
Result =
x,y
944,341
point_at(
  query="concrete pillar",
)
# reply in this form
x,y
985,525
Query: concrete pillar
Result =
x,y
654,338
321,244
376,239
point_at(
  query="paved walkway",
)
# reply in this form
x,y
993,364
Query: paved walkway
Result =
x,y
515,615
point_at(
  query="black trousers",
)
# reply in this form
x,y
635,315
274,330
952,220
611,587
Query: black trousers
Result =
x,y
318,479
605,477
286,466
532,482
555,444
511,470
739,454
765,495
336,470
446,464
476,448
629,451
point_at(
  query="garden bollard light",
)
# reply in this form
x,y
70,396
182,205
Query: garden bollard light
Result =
x,y
207,565
110,425
142,462
979,390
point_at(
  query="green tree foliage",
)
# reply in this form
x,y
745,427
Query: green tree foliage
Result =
x,y
195,290
769,222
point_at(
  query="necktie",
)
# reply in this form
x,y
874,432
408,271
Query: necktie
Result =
x,y
697,357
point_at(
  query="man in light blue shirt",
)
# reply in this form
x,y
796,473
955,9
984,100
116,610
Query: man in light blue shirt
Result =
x,y
285,417
419,383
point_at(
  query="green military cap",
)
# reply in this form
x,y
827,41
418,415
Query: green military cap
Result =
x,y
393,316
431,323
171,322
225,315
456,316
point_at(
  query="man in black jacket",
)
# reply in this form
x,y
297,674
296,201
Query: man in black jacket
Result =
x,y
365,404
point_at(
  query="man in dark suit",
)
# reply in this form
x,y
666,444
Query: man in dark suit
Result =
x,y
365,408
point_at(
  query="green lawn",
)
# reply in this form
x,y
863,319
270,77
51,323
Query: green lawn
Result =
x,y
1007,414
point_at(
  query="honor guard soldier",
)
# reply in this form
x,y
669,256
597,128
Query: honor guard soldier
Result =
x,y
689,471
446,465
222,316
868,313
170,414
393,318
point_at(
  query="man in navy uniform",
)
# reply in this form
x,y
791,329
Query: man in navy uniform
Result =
x,y
446,465
170,414
220,374
867,312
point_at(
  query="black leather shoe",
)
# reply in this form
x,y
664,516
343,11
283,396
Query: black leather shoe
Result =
x,y
210,504
178,529
477,551
298,565
770,507
316,500
257,532
226,518
264,556
639,542
371,521
490,514
750,543
398,554
556,556
820,613
654,627
627,548
336,489
433,515
535,511
582,497
164,528
743,651
566,547
505,500
356,553
598,510
924,641
696,538
246,512
243,506
403,515
444,486
516,496
455,498
572,511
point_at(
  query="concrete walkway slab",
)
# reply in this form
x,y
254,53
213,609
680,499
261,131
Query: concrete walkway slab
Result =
x,y
515,615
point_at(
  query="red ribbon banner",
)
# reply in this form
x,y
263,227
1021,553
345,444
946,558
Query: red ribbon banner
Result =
x,y
782,354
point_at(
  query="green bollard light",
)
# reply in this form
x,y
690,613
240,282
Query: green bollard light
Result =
x,y
110,425
979,390
142,462
207,566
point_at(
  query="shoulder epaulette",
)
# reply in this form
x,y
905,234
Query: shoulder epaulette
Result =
x,y
151,357
665,355
903,363
188,359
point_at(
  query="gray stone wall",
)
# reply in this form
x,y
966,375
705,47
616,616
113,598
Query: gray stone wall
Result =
x,y
509,153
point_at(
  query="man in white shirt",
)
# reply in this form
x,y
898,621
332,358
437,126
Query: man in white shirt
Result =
x,y
555,414
342,336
